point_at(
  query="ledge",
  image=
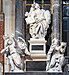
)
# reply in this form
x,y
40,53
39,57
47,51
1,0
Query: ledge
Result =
x,y
36,73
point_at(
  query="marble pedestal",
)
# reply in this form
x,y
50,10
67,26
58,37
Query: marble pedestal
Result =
x,y
37,47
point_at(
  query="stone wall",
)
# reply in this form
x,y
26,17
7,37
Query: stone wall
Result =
x,y
1,35
1,41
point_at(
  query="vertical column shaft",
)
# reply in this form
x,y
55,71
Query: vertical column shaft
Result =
x,y
56,23
18,18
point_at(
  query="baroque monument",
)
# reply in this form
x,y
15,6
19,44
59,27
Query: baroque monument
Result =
x,y
39,20
16,49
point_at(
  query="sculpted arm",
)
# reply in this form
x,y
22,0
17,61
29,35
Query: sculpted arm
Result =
x,y
3,50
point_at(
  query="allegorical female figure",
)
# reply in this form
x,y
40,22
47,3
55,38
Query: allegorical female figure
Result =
x,y
39,21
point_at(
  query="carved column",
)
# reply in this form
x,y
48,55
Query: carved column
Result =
x,y
56,23
19,19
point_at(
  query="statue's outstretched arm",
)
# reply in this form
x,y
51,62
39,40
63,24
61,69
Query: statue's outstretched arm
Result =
x,y
3,50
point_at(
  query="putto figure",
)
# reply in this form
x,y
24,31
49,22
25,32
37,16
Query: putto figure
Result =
x,y
14,50
55,56
39,21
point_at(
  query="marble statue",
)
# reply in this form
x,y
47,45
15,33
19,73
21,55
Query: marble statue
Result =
x,y
14,50
39,21
55,56
21,46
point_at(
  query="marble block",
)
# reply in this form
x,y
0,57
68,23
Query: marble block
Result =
x,y
37,47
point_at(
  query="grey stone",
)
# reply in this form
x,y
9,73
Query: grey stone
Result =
x,y
56,10
1,69
35,65
19,19
37,73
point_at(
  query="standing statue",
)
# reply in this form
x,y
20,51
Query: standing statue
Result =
x,y
14,50
39,21
55,56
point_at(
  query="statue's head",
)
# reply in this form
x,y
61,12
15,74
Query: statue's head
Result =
x,y
9,42
63,47
35,5
55,41
21,43
8,39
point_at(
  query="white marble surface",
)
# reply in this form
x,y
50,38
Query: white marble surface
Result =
x,y
37,42
55,56
14,50
9,11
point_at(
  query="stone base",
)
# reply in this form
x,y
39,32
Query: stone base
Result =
x,y
36,65
36,73
38,55
37,47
